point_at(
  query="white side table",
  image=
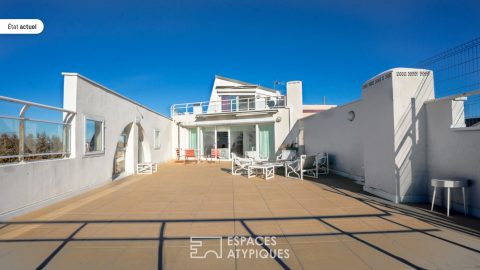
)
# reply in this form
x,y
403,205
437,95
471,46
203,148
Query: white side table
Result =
x,y
448,184
146,168
267,170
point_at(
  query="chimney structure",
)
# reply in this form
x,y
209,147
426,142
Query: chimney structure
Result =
x,y
295,101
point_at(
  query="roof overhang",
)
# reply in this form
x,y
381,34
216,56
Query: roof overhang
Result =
x,y
229,122
235,114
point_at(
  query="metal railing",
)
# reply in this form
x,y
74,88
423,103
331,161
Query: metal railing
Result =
x,y
229,105
457,71
26,139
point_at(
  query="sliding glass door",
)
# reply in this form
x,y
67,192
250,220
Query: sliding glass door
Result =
x,y
208,140
236,139
242,139
266,141
193,139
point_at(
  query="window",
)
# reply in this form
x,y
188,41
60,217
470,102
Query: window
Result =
x,y
94,142
156,139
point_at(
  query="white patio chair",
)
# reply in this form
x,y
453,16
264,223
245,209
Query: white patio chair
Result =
x,y
287,155
240,165
255,156
310,165
304,165
322,163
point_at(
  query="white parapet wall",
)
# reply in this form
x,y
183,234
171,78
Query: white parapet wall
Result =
x,y
338,132
380,139
30,185
453,152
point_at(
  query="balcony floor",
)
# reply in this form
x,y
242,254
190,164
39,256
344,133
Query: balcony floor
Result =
x,y
145,222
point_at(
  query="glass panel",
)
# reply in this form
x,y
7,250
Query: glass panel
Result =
x,y
250,139
193,139
246,103
93,136
208,140
9,139
242,139
229,103
267,144
222,144
236,139
42,138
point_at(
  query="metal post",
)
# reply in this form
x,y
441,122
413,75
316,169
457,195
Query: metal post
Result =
x,y
448,202
433,197
21,143
21,127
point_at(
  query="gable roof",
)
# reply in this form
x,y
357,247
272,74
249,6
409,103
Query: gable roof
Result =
x,y
244,84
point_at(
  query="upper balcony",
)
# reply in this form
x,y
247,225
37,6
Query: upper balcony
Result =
x,y
229,106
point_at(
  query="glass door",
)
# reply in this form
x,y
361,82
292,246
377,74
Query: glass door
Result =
x,y
236,138
208,141
266,140
193,140
222,144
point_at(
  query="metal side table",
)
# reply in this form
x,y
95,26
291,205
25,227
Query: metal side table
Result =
x,y
448,184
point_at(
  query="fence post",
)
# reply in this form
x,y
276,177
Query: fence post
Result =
x,y
21,127
21,142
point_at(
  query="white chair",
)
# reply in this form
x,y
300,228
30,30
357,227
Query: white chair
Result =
x,y
287,155
255,156
310,165
240,165
322,163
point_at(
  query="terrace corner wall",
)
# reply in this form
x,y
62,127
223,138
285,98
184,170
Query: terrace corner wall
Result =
x,y
30,185
335,132
381,138
453,152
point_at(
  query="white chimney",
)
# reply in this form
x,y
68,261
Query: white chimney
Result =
x,y
294,100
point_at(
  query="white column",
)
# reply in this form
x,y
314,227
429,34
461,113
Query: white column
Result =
x,y
229,154
198,141
215,137
257,139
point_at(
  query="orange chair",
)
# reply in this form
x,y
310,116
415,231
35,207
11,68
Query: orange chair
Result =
x,y
215,154
190,153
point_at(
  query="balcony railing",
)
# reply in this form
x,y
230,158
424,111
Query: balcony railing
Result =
x,y
25,139
229,106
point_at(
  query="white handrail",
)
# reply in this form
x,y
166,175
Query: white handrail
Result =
x,y
24,102
230,105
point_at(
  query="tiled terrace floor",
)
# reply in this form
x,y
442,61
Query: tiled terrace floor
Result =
x,y
145,222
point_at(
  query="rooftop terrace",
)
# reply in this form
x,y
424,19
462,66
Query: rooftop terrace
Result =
x,y
145,222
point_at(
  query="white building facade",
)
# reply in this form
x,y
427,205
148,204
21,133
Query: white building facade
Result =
x,y
239,117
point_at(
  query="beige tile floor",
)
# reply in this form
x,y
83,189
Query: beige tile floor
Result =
x,y
145,222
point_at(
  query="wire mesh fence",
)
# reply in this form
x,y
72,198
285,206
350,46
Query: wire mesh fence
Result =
x,y
456,71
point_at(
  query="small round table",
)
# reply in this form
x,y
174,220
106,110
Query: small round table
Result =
x,y
448,184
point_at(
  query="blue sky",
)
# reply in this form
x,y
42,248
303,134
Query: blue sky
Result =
x,y
164,52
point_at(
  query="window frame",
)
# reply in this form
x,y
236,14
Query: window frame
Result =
x,y
155,146
86,118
